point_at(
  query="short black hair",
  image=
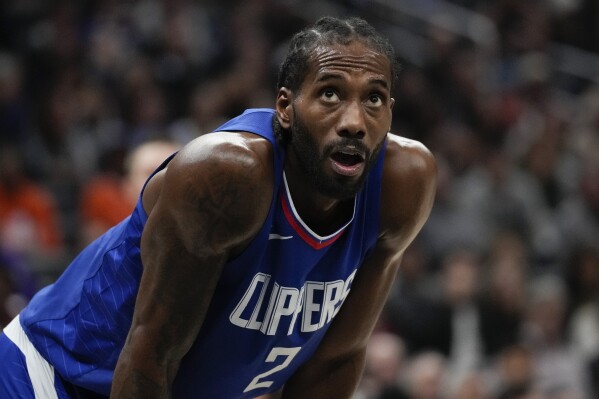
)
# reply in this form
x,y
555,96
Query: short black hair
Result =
x,y
328,31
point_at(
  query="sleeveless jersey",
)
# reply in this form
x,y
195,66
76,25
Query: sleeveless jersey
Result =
x,y
271,308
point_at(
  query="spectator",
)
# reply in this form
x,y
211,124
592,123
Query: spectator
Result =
x,y
504,301
584,292
512,374
558,368
472,386
109,198
29,222
425,376
385,364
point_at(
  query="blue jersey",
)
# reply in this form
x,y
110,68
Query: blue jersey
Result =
x,y
271,308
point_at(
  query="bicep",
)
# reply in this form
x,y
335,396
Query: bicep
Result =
x,y
205,210
175,289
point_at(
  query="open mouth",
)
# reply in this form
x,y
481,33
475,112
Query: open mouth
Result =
x,y
347,158
348,162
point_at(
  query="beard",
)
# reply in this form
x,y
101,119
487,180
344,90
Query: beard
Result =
x,y
312,161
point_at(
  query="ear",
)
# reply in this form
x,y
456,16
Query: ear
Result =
x,y
283,107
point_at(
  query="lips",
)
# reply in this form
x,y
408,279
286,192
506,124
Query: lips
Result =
x,y
348,161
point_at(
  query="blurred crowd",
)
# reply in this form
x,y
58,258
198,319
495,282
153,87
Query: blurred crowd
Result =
x,y
498,298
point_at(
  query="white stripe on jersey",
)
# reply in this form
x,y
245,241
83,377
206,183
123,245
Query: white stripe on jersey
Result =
x,y
40,371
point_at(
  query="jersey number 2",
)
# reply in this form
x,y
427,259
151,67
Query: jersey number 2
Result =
x,y
287,353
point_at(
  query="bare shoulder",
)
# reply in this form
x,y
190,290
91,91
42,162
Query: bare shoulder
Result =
x,y
409,184
405,155
217,189
216,159
236,154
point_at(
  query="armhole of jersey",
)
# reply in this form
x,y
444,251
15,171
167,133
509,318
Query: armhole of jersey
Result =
x,y
139,204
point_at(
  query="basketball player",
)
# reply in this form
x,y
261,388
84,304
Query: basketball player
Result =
x,y
258,257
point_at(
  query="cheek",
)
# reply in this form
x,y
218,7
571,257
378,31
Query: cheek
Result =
x,y
320,119
312,131
380,122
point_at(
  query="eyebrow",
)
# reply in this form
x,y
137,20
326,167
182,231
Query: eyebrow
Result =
x,y
336,76
329,76
379,81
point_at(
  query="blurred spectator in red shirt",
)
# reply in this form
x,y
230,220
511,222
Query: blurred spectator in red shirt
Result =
x,y
108,198
29,220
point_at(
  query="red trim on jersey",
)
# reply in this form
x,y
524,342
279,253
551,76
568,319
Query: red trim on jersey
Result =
x,y
311,241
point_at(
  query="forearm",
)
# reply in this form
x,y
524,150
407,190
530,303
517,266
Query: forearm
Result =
x,y
138,384
141,377
336,379
167,316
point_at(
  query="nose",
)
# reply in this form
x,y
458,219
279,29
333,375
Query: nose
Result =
x,y
351,121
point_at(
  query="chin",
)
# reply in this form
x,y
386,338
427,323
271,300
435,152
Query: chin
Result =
x,y
341,189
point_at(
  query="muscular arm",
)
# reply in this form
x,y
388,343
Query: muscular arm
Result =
x,y
409,182
209,203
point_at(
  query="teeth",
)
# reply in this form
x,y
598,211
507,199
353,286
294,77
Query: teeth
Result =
x,y
350,152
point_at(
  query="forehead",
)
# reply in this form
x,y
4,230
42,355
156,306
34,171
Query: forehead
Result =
x,y
355,57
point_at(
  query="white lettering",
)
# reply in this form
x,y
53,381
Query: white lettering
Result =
x,y
346,288
298,309
316,303
310,306
332,295
254,323
271,305
235,317
281,309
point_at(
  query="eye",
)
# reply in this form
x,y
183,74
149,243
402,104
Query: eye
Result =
x,y
375,100
329,95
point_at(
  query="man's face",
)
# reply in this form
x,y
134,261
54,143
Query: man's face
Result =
x,y
340,117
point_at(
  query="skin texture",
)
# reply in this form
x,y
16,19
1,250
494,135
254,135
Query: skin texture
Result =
x,y
215,195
